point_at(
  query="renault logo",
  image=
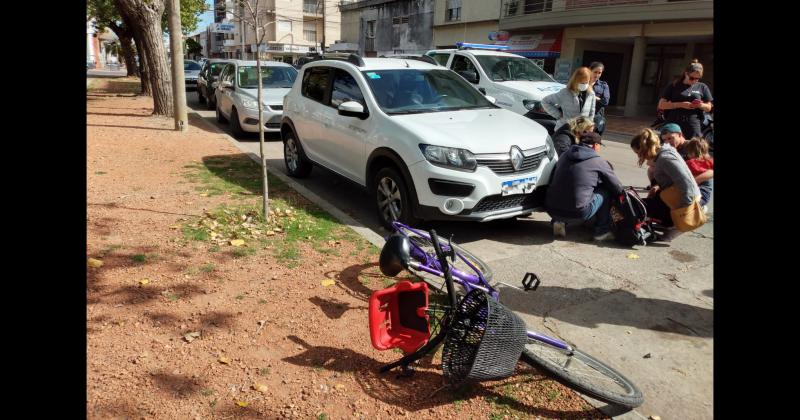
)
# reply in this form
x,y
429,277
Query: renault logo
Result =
x,y
516,158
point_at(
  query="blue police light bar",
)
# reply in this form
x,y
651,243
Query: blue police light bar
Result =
x,y
466,45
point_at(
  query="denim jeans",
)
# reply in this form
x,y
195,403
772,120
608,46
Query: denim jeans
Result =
x,y
600,206
705,191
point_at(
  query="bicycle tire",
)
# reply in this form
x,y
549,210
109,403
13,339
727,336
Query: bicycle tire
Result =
x,y
427,246
614,388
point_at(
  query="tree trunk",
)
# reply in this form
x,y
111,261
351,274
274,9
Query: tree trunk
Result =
x,y
127,54
144,79
145,15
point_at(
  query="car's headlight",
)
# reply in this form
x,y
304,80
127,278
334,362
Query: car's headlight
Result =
x,y
551,147
532,105
250,104
449,157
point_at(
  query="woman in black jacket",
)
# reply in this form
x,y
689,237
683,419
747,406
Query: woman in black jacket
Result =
x,y
568,134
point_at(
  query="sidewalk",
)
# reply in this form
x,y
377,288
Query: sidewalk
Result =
x,y
184,321
627,126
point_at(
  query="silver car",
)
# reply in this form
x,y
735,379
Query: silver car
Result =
x,y
237,93
191,69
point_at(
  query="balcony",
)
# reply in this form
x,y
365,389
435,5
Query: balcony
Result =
x,y
312,8
230,43
519,14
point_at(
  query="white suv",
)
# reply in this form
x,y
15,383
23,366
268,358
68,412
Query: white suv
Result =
x,y
515,81
236,95
424,143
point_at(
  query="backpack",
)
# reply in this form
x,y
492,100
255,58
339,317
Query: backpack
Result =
x,y
629,220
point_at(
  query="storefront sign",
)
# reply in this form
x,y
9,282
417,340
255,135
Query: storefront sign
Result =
x,y
223,28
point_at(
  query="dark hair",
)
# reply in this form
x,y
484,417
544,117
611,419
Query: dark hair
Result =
x,y
596,64
691,68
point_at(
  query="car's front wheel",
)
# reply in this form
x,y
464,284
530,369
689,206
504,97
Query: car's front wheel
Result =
x,y
297,165
220,118
393,199
236,126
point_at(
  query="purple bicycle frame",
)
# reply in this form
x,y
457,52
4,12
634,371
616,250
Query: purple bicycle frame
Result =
x,y
466,280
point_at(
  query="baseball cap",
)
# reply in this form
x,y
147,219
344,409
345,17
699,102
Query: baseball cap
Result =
x,y
671,128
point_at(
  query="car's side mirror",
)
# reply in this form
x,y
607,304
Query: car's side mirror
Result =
x,y
226,84
353,109
491,99
470,75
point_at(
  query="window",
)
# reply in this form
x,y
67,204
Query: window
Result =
x,y
310,31
371,29
440,58
398,20
453,10
316,82
226,73
284,26
271,77
538,6
464,67
511,8
345,89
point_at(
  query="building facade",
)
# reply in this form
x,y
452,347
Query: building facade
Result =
x,y
643,44
384,27
464,21
293,29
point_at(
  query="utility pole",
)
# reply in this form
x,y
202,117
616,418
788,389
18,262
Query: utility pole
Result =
x,y
178,81
322,46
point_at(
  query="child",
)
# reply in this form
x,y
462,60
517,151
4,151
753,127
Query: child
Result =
x,y
699,161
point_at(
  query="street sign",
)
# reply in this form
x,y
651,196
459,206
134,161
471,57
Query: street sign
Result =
x,y
223,28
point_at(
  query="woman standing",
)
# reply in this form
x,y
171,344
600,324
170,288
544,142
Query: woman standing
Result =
x,y
573,101
602,95
669,170
685,99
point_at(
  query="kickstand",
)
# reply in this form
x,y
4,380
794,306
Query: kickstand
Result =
x,y
406,371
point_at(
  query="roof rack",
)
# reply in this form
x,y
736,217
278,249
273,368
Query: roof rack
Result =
x,y
354,59
470,46
424,58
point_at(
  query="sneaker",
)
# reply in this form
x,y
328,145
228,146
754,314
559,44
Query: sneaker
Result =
x,y
560,229
608,236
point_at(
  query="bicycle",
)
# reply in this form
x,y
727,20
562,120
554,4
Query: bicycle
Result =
x,y
480,347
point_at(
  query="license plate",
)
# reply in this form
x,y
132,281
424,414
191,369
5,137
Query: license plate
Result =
x,y
518,186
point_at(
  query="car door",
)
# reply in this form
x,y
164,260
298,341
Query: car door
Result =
x,y
225,94
465,68
344,137
314,96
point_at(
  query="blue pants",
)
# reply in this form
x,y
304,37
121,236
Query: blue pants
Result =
x,y
600,206
705,191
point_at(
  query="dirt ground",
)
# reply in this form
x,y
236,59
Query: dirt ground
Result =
x,y
184,324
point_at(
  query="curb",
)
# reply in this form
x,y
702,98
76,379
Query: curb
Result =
x,y
341,216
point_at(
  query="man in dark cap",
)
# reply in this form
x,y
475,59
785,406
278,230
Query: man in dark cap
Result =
x,y
581,187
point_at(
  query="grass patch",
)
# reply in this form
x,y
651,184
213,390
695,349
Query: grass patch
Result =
x,y
262,301
214,248
322,416
240,297
243,252
195,234
207,392
139,258
552,395
100,173
207,268
264,371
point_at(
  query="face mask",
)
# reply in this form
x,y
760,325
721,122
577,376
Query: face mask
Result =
x,y
583,86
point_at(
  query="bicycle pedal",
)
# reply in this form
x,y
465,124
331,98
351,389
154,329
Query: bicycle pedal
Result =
x,y
406,371
531,281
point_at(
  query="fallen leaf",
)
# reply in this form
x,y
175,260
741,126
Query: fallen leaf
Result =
x,y
191,336
633,256
339,387
204,195
647,356
144,282
270,233
237,242
223,359
95,263
328,282
261,388
628,332
241,403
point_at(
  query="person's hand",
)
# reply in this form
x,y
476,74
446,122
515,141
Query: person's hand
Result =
x,y
653,191
597,98
684,105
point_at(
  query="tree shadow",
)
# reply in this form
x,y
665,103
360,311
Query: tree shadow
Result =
x,y
113,114
580,307
423,390
130,126
214,319
334,308
239,169
180,386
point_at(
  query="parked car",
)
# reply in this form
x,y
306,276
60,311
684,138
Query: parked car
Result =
x,y
237,93
207,81
191,69
516,82
424,142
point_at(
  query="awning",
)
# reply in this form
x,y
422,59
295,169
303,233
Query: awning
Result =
x,y
545,44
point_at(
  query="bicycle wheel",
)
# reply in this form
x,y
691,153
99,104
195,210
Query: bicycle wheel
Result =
x,y
425,244
583,373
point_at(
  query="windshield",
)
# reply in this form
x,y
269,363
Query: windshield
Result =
x,y
271,77
190,65
504,68
415,91
216,68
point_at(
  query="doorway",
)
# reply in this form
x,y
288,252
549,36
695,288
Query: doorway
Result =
x,y
612,71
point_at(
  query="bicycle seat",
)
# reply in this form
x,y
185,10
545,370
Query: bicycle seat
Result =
x,y
397,317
